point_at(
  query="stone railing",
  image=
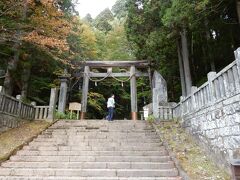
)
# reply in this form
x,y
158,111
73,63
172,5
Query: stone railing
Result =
x,y
14,107
14,112
211,113
220,86
47,112
41,112
165,113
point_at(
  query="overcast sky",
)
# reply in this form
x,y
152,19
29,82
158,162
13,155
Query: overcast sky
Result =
x,y
93,7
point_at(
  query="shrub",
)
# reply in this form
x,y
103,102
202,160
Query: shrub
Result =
x,y
151,119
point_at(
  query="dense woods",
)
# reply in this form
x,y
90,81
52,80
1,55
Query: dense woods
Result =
x,y
183,39
193,36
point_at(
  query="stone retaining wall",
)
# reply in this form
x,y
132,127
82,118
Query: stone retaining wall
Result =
x,y
8,121
217,129
212,113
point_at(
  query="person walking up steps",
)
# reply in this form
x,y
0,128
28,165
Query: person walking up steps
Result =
x,y
110,106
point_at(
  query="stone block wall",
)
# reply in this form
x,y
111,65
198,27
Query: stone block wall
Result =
x,y
211,113
8,121
217,129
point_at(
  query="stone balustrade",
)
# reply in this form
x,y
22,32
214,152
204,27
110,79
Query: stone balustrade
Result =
x,y
14,107
41,112
13,112
165,113
219,87
211,113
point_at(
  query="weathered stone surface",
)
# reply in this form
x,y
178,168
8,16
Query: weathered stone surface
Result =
x,y
52,104
8,121
125,150
63,95
212,115
159,92
13,112
1,89
217,128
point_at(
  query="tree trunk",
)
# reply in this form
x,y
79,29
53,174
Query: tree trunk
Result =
x,y
181,69
25,80
213,66
185,57
12,64
209,53
238,9
204,56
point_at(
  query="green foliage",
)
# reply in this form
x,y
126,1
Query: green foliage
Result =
x,y
96,105
68,115
153,29
102,21
60,115
151,119
179,14
119,9
88,19
82,41
110,45
117,45
53,38
67,6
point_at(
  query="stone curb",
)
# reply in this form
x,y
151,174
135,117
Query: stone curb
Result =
x,y
182,173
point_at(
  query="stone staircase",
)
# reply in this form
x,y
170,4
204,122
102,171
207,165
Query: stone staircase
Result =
x,y
92,150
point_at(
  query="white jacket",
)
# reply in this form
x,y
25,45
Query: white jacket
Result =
x,y
110,102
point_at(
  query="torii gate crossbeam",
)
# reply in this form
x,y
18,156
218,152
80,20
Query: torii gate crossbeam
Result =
x,y
132,74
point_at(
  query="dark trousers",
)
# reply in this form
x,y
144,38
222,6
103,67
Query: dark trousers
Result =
x,y
110,113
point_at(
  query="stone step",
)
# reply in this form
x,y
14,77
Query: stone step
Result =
x,y
99,136
91,153
100,122
88,178
90,165
102,136
104,129
108,140
105,124
93,148
79,137
82,144
90,128
46,172
72,131
90,158
101,130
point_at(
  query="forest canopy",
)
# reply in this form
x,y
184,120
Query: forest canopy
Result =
x,y
184,40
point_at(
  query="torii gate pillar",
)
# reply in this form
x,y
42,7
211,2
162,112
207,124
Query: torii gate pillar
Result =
x,y
133,93
110,64
85,92
63,92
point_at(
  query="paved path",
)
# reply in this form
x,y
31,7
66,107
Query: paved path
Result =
x,y
96,150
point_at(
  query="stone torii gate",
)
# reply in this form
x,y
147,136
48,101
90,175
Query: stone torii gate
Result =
x,y
132,74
